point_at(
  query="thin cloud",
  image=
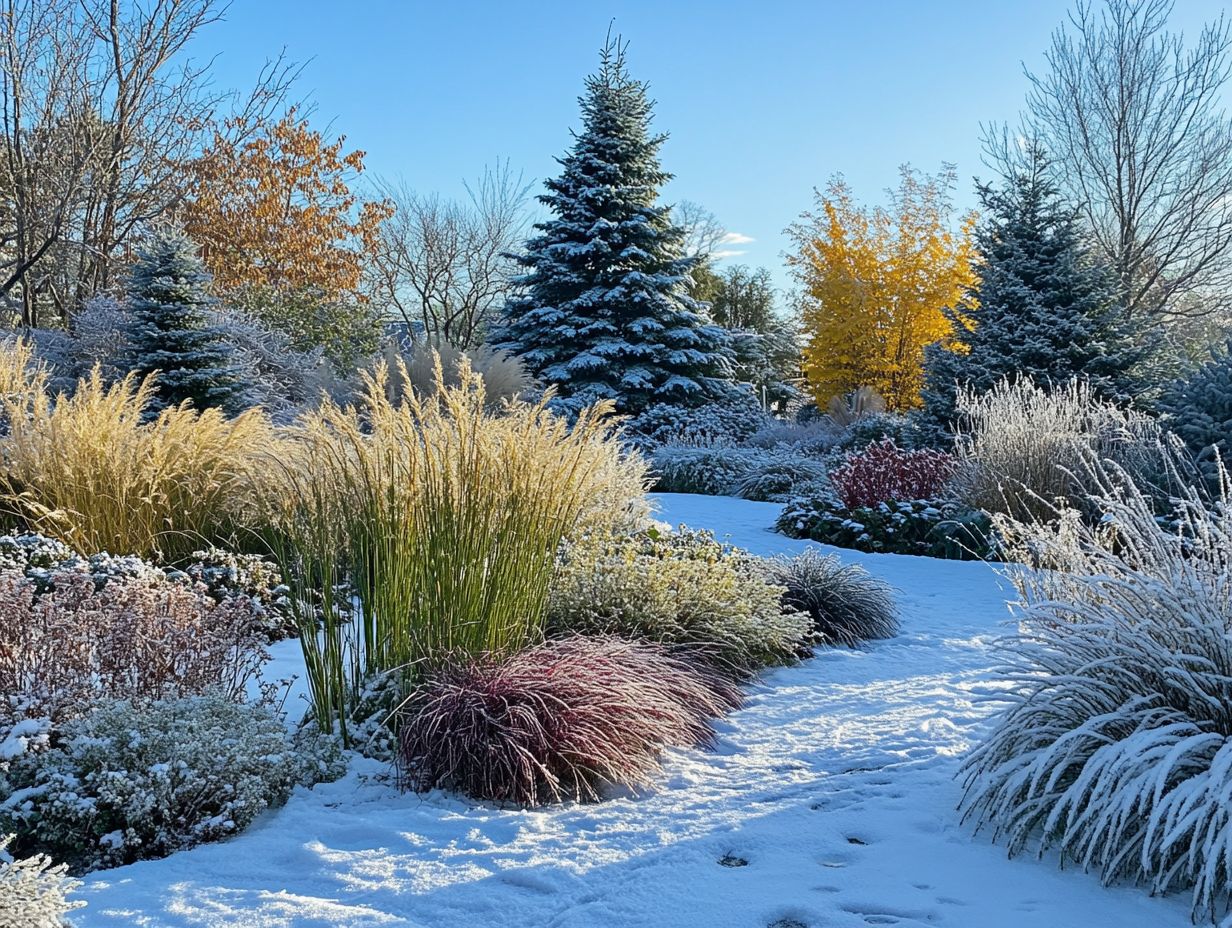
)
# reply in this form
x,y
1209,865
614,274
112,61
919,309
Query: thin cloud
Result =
x,y
727,253
736,238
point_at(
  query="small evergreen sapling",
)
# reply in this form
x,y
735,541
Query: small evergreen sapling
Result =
x,y
171,334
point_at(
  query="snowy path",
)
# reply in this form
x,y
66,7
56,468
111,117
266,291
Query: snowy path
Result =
x,y
833,787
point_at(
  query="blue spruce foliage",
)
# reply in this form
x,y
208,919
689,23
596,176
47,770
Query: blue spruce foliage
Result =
x,y
604,311
171,332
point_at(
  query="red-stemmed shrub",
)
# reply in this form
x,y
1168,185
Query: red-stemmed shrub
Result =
x,y
883,472
143,637
558,721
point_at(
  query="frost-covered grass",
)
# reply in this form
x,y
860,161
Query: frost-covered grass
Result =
x,y
1021,445
563,720
847,604
1115,749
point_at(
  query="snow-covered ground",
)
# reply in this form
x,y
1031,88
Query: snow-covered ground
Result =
x,y
830,802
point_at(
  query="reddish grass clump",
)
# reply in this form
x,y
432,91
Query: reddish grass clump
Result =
x,y
883,473
559,721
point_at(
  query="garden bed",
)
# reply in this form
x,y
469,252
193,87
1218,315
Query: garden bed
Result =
x,y
828,802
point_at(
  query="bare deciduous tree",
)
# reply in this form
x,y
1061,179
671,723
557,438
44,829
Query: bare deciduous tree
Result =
x,y
445,266
99,113
703,233
1135,124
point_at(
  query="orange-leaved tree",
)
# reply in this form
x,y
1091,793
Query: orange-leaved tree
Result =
x,y
875,282
272,208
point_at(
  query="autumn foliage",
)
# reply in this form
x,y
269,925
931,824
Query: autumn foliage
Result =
x,y
276,210
875,282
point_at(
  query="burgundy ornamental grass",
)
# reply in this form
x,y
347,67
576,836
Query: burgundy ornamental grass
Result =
x,y
558,721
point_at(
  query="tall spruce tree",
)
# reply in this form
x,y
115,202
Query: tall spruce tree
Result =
x,y
605,312
171,331
1041,307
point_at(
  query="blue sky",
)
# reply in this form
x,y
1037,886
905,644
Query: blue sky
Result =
x,y
763,101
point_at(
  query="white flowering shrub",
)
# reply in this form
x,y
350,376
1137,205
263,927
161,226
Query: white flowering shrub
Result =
x,y
138,780
1115,746
33,893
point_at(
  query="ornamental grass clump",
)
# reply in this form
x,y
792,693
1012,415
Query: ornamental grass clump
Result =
x,y
562,720
1022,448
1115,746
444,517
97,472
847,604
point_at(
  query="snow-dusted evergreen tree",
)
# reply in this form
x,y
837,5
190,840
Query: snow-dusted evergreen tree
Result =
x,y
1041,307
171,332
1198,408
605,312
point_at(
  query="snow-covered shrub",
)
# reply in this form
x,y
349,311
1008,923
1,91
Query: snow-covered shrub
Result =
x,y
848,605
33,893
1115,747
816,437
884,473
733,420
875,427
773,474
713,471
145,637
275,375
1199,410
100,336
680,588
932,528
221,574
558,721
1022,448
226,574
32,553
133,781
807,413
56,351
780,475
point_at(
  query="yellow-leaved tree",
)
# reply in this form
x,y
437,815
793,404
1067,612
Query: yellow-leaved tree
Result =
x,y
875,282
